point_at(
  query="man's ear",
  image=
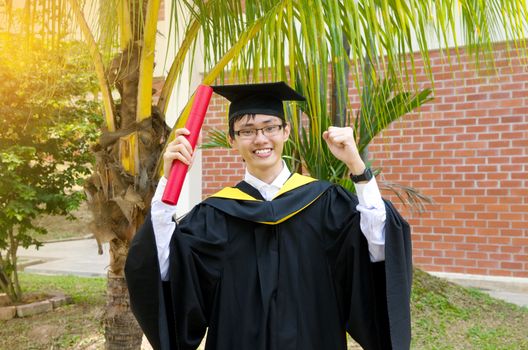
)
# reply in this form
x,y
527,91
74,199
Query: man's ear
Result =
x,y
231,141
287,130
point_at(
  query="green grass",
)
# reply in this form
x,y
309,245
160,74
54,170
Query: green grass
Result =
x,y
74,326
445,316
59,227
57,235
83,290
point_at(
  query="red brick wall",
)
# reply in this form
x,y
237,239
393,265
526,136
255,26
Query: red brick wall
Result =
x,y
220,167
467,149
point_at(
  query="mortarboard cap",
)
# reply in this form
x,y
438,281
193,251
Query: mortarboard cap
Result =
x,y
265,98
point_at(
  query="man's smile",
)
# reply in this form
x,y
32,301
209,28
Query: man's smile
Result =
x,y
263,152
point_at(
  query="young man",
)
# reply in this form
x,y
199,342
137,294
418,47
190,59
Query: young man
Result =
x,y
279,261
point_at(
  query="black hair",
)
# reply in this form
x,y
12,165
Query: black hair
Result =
x,y
232,122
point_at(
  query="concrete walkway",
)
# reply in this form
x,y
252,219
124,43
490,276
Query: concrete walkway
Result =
x,y
80,257
75,257
510,289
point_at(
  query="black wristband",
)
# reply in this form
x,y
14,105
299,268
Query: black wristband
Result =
x,y
366,176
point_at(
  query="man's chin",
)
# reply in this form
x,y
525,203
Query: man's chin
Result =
x,y
262,163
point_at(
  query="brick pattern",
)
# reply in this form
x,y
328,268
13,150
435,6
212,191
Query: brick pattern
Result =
x,y
220,167
467,149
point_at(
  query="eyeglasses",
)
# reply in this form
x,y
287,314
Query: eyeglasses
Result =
x,y
270,130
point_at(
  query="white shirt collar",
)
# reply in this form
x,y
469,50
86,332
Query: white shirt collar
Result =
x,y
268,191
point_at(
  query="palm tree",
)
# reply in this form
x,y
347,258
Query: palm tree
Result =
x,y
303,42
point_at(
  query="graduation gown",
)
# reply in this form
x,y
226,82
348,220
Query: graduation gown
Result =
x,y
291,273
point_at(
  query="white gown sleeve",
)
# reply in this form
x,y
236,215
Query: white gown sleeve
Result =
x,y
163,225
373,217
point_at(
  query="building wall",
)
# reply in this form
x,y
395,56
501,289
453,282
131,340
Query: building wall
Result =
x,y
220,167
467,149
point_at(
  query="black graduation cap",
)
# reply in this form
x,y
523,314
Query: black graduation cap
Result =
x,y
265,98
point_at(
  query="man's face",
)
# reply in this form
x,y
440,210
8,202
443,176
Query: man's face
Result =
x,y
262,153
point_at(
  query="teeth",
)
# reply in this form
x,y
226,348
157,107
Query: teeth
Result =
x,y
261,151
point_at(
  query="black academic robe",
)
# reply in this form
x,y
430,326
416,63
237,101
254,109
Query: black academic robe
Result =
x,y
291,273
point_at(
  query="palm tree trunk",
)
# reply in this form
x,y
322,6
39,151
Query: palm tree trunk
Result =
x,y
119,196
122,331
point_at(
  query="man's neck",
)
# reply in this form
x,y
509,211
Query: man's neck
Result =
x,y
267,176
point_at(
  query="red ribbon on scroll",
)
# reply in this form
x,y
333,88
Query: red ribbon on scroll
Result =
x,y
194,124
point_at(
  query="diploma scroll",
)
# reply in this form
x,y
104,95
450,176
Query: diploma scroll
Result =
x,y
194,124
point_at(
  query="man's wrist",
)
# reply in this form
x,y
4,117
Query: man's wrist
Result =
x,y
357,167
364,177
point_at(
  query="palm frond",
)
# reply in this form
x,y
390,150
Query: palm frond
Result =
x,y
216,139
108,102
177,65
382,105
146,64
408,196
